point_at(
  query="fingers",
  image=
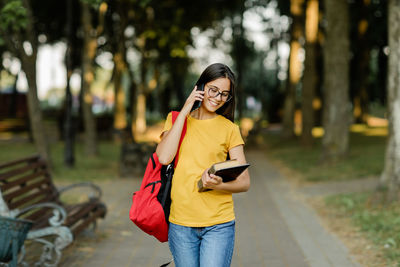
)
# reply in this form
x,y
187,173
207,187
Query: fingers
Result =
x,y
196,95
216,179
199,96
210,181
206,179
196,92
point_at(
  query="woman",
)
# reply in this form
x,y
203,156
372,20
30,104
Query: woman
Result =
x,y
202,224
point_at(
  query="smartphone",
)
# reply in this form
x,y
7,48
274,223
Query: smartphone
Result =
x,y
197,103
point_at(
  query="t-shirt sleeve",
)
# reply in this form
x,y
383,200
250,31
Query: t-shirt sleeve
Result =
x,y
236,138
168,124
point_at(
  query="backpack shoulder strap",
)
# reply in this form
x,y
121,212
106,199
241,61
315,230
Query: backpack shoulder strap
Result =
x,y
174,116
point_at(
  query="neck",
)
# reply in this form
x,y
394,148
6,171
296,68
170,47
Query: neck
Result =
x,y
203,114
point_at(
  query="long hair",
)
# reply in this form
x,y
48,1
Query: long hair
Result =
x,y
213,72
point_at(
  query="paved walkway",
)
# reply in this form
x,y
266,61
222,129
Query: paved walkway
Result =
x,y
275,228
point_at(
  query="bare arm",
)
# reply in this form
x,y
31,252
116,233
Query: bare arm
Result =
x,y
240,184
167,148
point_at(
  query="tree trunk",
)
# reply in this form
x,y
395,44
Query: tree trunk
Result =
x,y
382,74
336,117
29,67
388,167
163,92
165,99
120,67
88,54
35,114
294,70
239,58
132,105
310,73
140,121
12,111
140,113
69,138
120,121
360,64
391,173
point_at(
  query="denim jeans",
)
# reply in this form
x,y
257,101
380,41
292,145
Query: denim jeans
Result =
x,y
202,246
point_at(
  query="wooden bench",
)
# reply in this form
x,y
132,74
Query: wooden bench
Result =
x,y
27,192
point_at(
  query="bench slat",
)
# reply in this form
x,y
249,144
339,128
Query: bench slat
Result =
x,y
40,213
100,212
81,211
8,197
46,192
14,172
39,216
23,160
45,217
23,180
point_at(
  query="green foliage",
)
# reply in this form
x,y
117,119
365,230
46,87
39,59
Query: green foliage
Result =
x,y
13,15
381,224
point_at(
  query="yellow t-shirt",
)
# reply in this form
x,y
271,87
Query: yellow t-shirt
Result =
x,y
205,143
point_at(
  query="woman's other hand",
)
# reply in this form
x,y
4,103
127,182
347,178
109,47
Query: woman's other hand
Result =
x,y
210,181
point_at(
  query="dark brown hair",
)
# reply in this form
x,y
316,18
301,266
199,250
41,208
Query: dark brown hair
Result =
x,y
213,72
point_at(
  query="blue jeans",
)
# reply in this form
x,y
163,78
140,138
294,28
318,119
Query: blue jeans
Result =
x,y
202,246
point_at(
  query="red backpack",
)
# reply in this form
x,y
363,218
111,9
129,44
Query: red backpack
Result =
x,y
151,204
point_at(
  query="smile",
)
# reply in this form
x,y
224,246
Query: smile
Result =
x,y
212,103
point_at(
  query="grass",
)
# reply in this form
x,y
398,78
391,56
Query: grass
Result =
x,y
365,158
103,167
381,224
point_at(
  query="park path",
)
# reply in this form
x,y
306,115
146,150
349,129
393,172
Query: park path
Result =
x,y
275,228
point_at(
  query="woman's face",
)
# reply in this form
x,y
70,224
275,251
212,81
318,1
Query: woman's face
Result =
x,y
215,94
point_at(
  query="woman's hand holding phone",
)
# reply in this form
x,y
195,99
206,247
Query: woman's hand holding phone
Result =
x,y
194,96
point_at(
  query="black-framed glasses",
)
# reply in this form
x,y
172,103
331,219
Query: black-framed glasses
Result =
x,y
214,92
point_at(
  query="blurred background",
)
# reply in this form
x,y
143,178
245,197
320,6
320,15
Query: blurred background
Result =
x,y
87,84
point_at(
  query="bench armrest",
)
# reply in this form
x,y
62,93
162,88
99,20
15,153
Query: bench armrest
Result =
x,y
96,190
59,213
